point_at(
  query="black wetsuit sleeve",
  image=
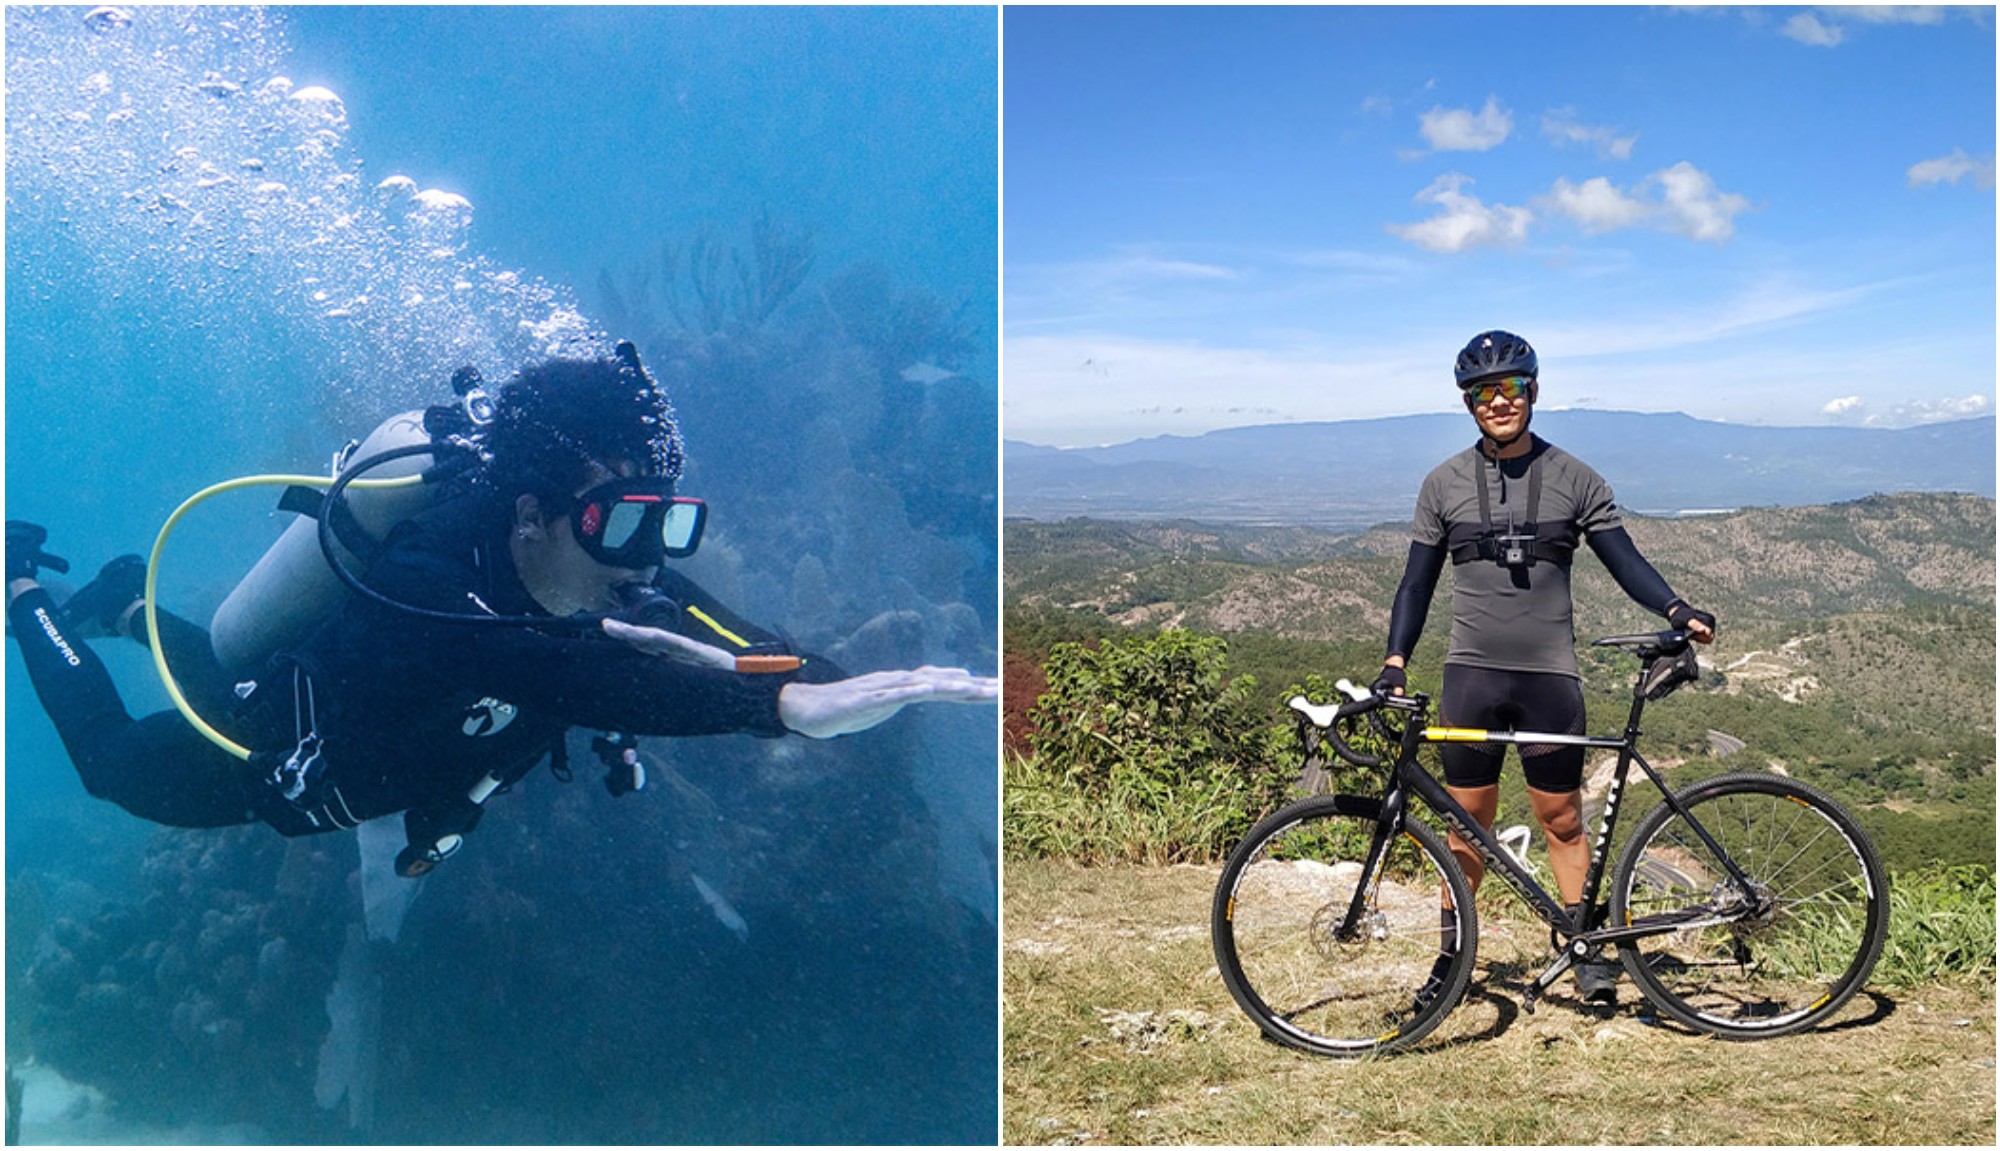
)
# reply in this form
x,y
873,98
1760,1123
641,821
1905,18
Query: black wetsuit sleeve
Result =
x,y
1413,597
580,676
706,619
1622,559
597,682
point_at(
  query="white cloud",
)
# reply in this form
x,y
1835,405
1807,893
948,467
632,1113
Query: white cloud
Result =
x,y
1827,27
1951,169
1090,388
1136,269
1369,264
1459,130
1695,207
1936,411
1153,268
1681,199
1854,410
1893,13
1806,29
1463,221
1752,309
1597,205
1378,105
1562,127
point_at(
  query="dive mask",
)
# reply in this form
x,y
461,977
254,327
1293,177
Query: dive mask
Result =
x,y
635,523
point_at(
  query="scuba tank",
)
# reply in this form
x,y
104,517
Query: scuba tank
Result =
x,y
292,589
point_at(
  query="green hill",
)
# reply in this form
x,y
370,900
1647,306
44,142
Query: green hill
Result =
x,y
1857,648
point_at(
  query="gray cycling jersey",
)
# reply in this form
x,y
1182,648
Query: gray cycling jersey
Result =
x,y
1513,617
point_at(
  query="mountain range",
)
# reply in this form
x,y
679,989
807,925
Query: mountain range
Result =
x,y
1354,473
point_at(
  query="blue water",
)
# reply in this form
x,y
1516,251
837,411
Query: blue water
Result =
x,y
211,272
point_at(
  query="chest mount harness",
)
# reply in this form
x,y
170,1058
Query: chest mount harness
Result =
x,y
1516,547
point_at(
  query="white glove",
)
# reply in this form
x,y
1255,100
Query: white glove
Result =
x,y
845,706
681,649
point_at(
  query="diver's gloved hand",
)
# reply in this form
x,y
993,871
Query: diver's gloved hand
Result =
x,y
845,706
25,557
654,641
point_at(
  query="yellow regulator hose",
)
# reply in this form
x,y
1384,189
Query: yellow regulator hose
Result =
x,y
153,574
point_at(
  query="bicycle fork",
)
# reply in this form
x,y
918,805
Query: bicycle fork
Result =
x,y
1388,826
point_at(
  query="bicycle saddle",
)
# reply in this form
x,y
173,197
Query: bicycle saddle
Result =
x,y
1648,644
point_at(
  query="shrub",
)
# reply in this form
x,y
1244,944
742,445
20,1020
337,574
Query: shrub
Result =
x,y
1144,750
1940,925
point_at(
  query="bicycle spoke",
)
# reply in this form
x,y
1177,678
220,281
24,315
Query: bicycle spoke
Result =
x,y
1791,947
1313,967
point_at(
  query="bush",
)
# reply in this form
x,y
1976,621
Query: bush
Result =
x,y
1940,925
1144,751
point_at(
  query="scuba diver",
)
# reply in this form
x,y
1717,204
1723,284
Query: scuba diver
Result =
x,y
530,597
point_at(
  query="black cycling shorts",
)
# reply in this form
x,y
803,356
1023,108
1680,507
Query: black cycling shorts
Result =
x,y
1512,701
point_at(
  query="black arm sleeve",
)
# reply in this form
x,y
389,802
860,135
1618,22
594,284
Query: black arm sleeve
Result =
x,y
1413,597
1622,559
587,679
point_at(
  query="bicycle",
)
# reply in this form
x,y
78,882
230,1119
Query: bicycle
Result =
x,y
1747,906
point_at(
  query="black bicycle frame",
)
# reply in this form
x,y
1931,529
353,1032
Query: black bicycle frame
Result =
x,y
1408,775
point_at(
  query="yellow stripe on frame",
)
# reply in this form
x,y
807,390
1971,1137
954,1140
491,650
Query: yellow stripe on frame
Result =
x,y
717,628
1457,735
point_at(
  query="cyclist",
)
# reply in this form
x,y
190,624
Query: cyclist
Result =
x,y
1508,514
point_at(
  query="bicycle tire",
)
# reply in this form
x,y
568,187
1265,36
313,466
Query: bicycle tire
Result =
x,y
1771,974
1293,875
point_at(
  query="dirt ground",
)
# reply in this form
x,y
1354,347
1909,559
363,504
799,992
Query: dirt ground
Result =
x,y
1118,1030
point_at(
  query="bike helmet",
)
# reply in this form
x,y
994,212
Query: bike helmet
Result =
x,y
1494,353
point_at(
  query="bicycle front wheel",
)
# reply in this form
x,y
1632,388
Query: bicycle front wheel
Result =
x,y
1332,961
1775,960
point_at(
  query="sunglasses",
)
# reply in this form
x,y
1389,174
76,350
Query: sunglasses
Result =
x,y
1512,387
636,523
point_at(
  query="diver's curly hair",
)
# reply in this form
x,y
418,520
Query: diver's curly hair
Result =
x,y
554,419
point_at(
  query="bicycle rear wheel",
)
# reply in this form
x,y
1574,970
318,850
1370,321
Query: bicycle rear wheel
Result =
x,y
1313,973
1820,918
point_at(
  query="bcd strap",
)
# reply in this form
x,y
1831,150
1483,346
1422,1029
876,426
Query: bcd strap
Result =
x,y
304,501
301,501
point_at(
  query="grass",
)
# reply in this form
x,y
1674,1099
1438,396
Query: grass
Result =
x,y
1118,1031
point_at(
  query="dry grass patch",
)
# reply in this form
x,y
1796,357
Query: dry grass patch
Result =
x,y
1119,1031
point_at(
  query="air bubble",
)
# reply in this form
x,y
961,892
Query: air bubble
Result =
x,y
107,19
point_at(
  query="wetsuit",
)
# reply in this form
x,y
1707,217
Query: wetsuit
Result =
x,y
381,711
1511,661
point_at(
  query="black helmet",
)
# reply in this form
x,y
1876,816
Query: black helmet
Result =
x,y
1495,353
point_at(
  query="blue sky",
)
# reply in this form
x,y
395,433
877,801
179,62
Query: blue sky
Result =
x,y
1216,217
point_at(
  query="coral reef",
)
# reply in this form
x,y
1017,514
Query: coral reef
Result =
x,y
568,944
